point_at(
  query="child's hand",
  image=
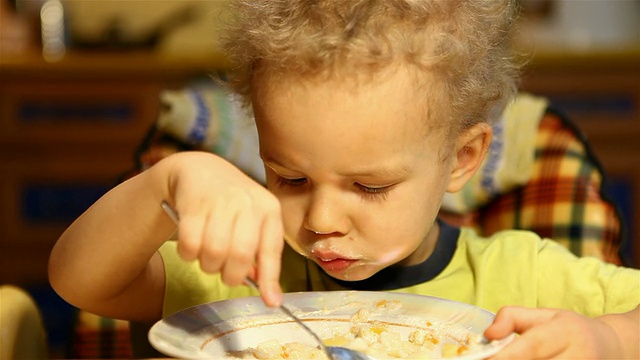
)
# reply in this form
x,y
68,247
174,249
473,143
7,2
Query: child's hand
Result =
x,y
551,333
228,222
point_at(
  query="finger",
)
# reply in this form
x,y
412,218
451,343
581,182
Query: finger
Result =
x,y
535,343
217,238
243,249
269,260
190,233
253,273
516,319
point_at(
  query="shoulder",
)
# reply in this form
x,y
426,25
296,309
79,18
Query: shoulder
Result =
x,y
532,271
509,246
469,238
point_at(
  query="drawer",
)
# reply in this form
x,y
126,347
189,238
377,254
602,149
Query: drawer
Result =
x,y
83,112
603,104
40,198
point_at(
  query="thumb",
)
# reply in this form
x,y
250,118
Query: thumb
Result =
x,y
516,319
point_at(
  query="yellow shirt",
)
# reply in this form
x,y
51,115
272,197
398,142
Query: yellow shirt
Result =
x,y
509,268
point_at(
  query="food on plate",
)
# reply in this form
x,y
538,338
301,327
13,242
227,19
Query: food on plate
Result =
x,y
373,337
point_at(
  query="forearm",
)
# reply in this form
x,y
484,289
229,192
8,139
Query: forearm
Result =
x,y
110,245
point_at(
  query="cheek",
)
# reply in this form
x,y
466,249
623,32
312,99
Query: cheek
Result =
x,y
400,228
291,221
292,214
286,203
406,222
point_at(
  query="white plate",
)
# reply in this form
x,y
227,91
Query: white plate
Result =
x,y
217,329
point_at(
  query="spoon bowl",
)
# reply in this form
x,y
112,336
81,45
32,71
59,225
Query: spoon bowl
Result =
x,y
342,353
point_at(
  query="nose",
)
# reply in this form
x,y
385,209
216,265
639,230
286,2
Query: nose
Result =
x,y
325,214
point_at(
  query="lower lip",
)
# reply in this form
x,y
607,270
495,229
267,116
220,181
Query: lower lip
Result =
x,y
335,265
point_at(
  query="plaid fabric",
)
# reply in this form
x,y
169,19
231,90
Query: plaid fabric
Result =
x,y
562,201
98,337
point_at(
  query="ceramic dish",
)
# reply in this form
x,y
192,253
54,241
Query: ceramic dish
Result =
x,y
223,329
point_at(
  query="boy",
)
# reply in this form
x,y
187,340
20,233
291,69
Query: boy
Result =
x,y
367,112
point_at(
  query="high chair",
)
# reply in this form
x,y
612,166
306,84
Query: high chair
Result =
x,y
22,334
540,173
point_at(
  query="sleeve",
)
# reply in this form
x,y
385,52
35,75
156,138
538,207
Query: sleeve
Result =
x,y
186,285
586,285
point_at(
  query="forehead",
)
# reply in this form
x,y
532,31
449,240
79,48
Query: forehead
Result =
x,y
395,88
369,118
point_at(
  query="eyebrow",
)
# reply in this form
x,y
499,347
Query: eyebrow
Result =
x,y
379,171
268,159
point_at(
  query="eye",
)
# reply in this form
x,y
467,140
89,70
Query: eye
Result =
x,y
374,192
282,181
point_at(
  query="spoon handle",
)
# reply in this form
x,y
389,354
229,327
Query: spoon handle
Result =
x,y
288,312
173,214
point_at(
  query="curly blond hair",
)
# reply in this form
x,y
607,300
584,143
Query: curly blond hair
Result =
x,y
463,44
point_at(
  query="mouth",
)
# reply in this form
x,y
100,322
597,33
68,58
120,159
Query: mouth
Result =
x,y
331,262
335,265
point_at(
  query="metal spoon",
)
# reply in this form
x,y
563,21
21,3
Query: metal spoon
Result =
x,y
286,310
332,352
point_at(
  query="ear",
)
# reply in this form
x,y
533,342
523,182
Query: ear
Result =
x,y
470,149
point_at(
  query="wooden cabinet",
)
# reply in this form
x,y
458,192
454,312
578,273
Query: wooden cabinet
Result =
x,y
68,130
600,92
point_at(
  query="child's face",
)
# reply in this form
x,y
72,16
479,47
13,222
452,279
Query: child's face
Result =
x,y
359,170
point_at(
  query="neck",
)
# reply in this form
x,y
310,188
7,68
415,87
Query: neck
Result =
x,y
425,249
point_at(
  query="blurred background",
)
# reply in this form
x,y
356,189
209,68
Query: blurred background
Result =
x,y
80,85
